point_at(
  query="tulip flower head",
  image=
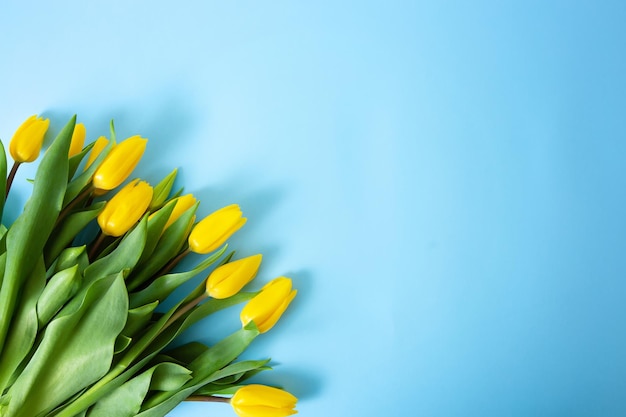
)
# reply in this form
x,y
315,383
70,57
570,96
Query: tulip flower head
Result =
x,y
78,139
212,231
119,163
266,307
97,148
125,208
182,204
262,401
228,279
28,139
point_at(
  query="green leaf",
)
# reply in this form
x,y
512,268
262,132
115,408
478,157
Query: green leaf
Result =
x,y
68,258
121,343
125,256
156,223
28,234
126,400
138,317
78,184
162,190
206,370
69,228
163,286
76,349
59,289
77,159
169,376
187,352
23,331
168,247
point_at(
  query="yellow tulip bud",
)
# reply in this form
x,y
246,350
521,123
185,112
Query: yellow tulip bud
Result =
x,y
262,401
119,163
28,139
228,279
183,203
78,139
97,148
125,208
266,307
215,229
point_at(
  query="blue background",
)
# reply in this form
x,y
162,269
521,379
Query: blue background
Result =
x,y
444,181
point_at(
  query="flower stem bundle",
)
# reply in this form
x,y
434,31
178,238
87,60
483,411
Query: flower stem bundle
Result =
x,y
83,271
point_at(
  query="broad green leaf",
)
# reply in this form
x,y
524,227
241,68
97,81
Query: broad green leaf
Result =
x,y
28,234
23,331
168,247
76,349
69,228
163,286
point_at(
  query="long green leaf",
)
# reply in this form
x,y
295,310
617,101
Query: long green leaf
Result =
x,y
29,233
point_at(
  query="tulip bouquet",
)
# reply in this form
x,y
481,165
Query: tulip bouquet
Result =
x,y
82,276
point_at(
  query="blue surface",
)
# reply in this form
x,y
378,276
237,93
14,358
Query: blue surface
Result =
x,y
444,181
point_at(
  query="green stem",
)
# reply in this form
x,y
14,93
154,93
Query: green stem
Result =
x,y
96,245
208,398
11,176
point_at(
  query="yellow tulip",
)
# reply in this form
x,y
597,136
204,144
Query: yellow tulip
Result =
x,y
78,139
28,139
212,231
183,203
98,146
266,307
125,208
119,163
262,401
228,279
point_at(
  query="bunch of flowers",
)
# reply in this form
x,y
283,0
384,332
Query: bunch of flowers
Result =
x,y
80,332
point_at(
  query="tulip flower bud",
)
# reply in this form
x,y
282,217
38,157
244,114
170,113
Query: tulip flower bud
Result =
x,y
215,229
228,279
119,163
262,401
98,146
78,139
266,307
125,208
182,204
28,139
